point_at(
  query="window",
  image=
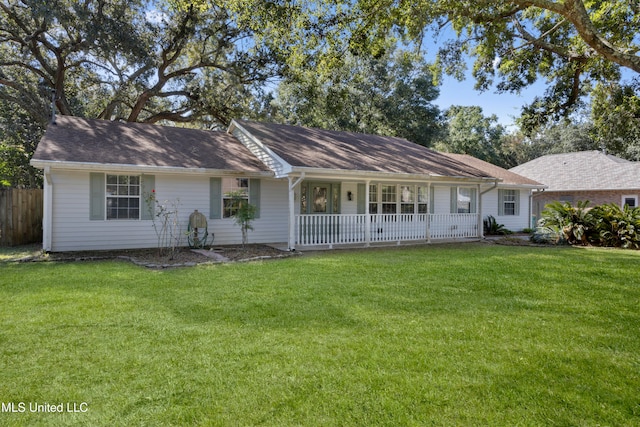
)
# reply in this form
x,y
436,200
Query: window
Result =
x,y
509,202
384,199
423,200
407,199
232,189
463,200
373,199
123,197
220,201
388,199
631,201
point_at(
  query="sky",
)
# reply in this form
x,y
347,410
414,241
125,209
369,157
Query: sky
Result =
x,y
506,106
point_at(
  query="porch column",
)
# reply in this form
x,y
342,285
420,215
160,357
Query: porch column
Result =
x,y
367,217
429,208
292,211
480,223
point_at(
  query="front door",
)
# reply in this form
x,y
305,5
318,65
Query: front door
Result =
x,y
318,200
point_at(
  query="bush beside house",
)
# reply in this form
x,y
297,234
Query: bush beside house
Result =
x,y
603,225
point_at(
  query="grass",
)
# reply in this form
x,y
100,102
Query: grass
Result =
x,y
444,335
16,252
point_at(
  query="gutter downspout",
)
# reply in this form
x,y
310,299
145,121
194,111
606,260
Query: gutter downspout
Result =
x,y
292,211
534,224
47,218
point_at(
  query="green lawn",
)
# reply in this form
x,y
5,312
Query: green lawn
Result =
x,y
449,335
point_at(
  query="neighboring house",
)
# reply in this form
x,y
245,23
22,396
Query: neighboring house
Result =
x,y
312,187
587,175
510,201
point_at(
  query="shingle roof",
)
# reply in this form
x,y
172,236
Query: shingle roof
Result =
x,y
78,140
349,151
580,171
507,177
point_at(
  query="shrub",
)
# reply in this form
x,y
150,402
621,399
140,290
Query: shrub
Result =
x,y
616,227
492,228
603,225
573,223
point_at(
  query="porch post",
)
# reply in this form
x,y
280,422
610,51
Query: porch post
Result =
x,y
292,218
292,211
367,217
480,223
429,208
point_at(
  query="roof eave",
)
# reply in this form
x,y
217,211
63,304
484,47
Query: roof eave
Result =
x,y
85,166
337,173
526,186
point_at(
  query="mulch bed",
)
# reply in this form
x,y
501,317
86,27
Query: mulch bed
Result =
x,y
182,257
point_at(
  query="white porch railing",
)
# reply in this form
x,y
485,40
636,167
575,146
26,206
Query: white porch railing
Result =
x,y
342,229
453,226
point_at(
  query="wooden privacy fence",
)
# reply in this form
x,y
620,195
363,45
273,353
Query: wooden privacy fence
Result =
x,y
20,216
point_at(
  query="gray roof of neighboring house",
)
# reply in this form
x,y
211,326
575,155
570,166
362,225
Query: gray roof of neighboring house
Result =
x,y
582,171
88,141
349,151
507,177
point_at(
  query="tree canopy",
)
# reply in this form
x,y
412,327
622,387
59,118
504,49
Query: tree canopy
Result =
x,y
205,62
571,44
133,60
469,131
391,95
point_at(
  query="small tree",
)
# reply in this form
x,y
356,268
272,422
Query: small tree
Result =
x,y
166,224
244,214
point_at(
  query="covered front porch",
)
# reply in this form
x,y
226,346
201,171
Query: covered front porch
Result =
x,y
329,212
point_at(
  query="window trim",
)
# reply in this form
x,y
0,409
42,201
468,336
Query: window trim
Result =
x,y
228,211
98,196
117,196
419,206
216,196
502,202
455,198
629,196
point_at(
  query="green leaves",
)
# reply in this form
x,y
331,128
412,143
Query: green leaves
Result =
x,y
570,44
470,132
391,95
617,227
603,225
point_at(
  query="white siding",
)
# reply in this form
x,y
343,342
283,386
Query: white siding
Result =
x,y
271,227
512,222
72,229
441,200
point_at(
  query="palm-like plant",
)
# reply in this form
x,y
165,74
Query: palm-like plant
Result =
x,y
572,222
616,226
492,228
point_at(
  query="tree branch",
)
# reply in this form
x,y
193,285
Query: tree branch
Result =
x,y
575,12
